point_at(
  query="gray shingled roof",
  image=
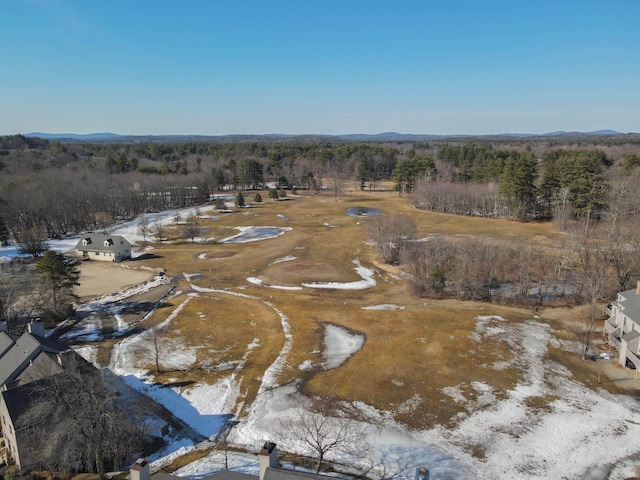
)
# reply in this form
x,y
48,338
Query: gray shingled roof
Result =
x,y
97,242
44,365
25,349
221,475
287,474
631,305
6,342
270,474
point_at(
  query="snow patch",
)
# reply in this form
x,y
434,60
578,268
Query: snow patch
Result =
x,y
287,258
384,306
339,344
254,234
365,273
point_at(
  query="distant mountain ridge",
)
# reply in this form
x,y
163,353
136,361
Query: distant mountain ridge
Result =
x,y
597,132
357,137
74,136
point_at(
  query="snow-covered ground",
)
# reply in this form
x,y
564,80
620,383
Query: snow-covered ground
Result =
x,y
579,434
129,230
367,281
254,234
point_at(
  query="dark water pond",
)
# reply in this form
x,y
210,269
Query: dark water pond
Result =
x,y
363,212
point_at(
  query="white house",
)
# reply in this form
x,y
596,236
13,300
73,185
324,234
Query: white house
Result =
x,y
622,327
108,248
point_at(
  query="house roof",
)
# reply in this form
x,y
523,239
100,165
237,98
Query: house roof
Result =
x,y
271,473
6,342
221,475
44,365
23,352
288,474
630,304
97,242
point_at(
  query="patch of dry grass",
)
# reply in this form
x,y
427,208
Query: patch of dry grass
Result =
x,y
186,459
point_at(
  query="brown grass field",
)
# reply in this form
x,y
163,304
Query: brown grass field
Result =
x,y
409,355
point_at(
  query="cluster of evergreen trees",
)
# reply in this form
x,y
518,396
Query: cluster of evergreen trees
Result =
x,y
516,184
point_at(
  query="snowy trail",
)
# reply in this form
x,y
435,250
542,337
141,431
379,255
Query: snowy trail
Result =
x,y
271,373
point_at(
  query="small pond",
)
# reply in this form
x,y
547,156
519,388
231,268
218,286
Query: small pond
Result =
x,y
363,212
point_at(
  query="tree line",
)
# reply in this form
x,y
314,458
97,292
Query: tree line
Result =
x,y
482,181
53,189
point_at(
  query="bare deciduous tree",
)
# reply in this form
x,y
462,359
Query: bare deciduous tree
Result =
x,y
159,231
153,348
32,242
335,433
391,234
594,272
144,227
223,443
191,227
87,425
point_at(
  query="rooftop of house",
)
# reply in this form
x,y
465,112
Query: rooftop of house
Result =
x,y
7,340
29,356
222,475
630,304
100,242
287,474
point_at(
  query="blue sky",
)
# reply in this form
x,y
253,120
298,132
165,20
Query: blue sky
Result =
x,y
308,66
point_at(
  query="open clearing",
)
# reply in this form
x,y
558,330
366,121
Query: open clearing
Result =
x,y
98,278
472,386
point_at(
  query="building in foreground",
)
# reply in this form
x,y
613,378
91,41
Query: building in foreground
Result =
x,y
622,327
27,361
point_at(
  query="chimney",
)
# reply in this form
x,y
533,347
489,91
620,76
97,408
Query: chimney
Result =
x,y
4,327
268,458
36,327
67,358
422,473
140,470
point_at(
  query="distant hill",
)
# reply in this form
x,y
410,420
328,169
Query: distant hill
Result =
x,y
274,137
394,136
597,132
74,136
